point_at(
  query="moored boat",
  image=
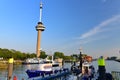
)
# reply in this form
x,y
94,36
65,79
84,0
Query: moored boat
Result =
x,y
32,61
44,67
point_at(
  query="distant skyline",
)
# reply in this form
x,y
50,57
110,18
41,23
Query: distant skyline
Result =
x,y
93,25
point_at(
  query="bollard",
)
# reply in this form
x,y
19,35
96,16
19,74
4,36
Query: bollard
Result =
x,y
10,68
101,69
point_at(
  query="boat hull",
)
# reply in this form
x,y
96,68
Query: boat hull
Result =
x,y
39,73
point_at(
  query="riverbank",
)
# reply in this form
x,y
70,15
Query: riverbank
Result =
x,y
4,63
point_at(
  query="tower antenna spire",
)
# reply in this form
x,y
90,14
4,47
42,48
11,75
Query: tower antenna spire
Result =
x,y
41,6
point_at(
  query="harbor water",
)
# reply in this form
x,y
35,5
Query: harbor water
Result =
x,y
19,70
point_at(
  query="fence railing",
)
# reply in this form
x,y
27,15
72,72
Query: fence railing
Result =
x,y
116,75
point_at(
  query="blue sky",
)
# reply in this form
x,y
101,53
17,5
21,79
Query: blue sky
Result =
x,y
93,25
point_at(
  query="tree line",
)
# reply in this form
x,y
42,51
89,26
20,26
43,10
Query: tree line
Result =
x,y
17,55
6,53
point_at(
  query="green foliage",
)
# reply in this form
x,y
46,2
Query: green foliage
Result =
x,y
17,55
5,53
43,54
76,57
50,57
58,55
67,58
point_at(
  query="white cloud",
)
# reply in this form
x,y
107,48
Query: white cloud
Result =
x,y
99,28
88,40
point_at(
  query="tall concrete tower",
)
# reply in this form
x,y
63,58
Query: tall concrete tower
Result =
x,y
40,27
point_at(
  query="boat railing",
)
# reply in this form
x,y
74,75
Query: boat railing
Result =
x,y
116,75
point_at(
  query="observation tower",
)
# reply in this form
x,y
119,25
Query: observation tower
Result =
x,y
40,27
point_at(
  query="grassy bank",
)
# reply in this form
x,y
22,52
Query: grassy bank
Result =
x,y
4,63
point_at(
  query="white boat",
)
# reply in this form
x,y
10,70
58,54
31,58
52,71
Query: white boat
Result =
x,y
32,61
46,61
46,67
41,61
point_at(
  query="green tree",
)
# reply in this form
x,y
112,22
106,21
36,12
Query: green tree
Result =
x,y
17,55
58,55
43,54
67,58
